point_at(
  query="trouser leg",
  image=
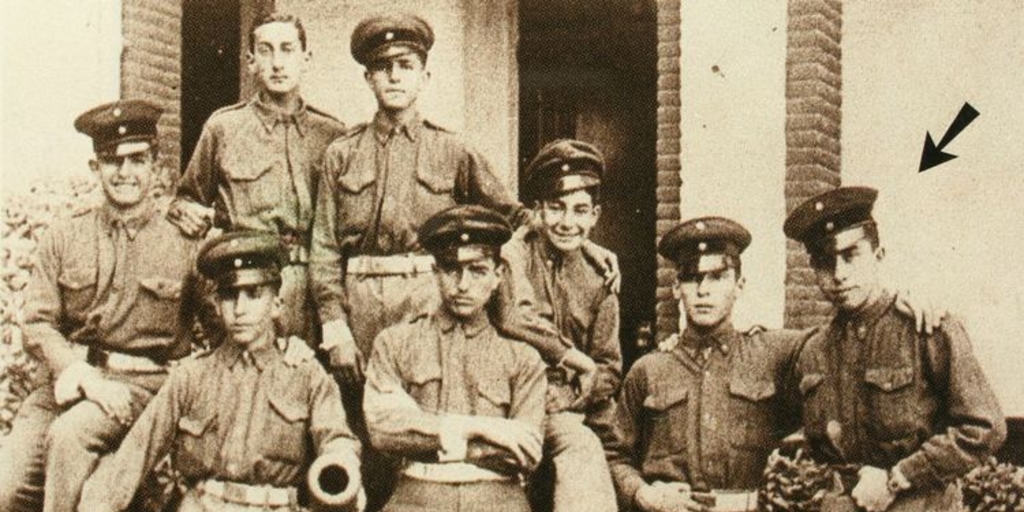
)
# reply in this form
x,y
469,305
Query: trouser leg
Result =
x,y
23,453
582,481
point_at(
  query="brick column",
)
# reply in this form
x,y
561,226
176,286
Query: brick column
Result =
x,y
151,69
813,120
668,167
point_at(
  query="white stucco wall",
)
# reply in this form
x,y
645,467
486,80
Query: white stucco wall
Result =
x,y
733,147
58,59
954,231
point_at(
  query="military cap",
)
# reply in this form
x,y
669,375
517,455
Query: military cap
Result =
x,y
449,233
687,242
823,216
563,166
114,126
387,35
242,258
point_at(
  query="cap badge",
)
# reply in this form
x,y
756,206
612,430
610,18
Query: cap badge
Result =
x,y
117,112
703,246
464,237
122,129
238,262
565,167
819,206
234,243
829,226
389,36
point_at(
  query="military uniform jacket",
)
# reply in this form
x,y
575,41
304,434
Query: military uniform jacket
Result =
x,y
230,415
708,412
257,166
434,366
570,293
381,182
900,398
109,282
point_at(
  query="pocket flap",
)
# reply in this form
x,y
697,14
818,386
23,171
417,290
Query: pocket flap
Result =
x,y
248,170
496,392
889,379
162,287
809,382
665,398
438,180
753,390
78,278
194,426
290,410
356,179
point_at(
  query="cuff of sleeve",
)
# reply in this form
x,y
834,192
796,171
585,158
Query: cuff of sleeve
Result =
x,y
452,437
67,388
918,472
344,449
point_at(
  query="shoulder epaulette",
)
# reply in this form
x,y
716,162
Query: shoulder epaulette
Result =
x,y
434,126
82,212
418,317
229,108
321,113
352,131
755,330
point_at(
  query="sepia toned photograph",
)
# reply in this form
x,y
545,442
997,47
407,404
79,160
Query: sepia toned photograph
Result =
x,y
511,255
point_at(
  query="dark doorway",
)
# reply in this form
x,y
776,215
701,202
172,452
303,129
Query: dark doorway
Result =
x,y
210,46
588,70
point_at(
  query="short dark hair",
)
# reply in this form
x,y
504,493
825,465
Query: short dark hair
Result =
x,y
732,261
278,17
822,260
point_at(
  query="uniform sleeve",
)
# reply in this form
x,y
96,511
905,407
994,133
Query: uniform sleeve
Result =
x,y
623,449
516,308
395,422
116,478
328,425
325,258
605,348
42,315
199,183
974,425
478,184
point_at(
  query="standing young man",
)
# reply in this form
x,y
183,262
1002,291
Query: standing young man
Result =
x,y
102,314
255,162
564,180
915,410
243,424
459,403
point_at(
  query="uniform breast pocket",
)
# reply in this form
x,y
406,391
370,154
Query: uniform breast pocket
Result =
x,y
435,189
78,288
753,404
256,185
355,200
158,304
667,410
284,433
196,441
891,397
495,398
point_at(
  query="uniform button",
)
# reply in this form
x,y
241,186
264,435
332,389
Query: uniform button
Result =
x,y
707,373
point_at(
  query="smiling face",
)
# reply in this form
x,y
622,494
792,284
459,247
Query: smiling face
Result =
x,y
567,220
278,58
709,292
468,284
848,270
249,313
127,177
397,81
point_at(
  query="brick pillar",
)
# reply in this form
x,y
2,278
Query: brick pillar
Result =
x,y
151,69
813,120
668,167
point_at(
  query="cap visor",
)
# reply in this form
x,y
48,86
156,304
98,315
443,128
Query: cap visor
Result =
x,y
131,148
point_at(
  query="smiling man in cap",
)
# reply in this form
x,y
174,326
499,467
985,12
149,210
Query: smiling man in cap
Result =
x,y
914,409
458,402
101,313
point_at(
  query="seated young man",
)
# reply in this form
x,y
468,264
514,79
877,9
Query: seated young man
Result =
x,y
462,405
564,181
243,425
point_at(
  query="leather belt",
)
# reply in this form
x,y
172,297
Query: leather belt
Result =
x,y
734,501
120,361
400,264
244,494
452,473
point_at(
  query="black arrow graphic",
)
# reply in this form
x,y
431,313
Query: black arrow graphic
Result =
x,y
933,155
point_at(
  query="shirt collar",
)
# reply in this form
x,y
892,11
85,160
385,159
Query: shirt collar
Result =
x,y
863,320
269,115
471,327
114,219
231,354
384,127
719,337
